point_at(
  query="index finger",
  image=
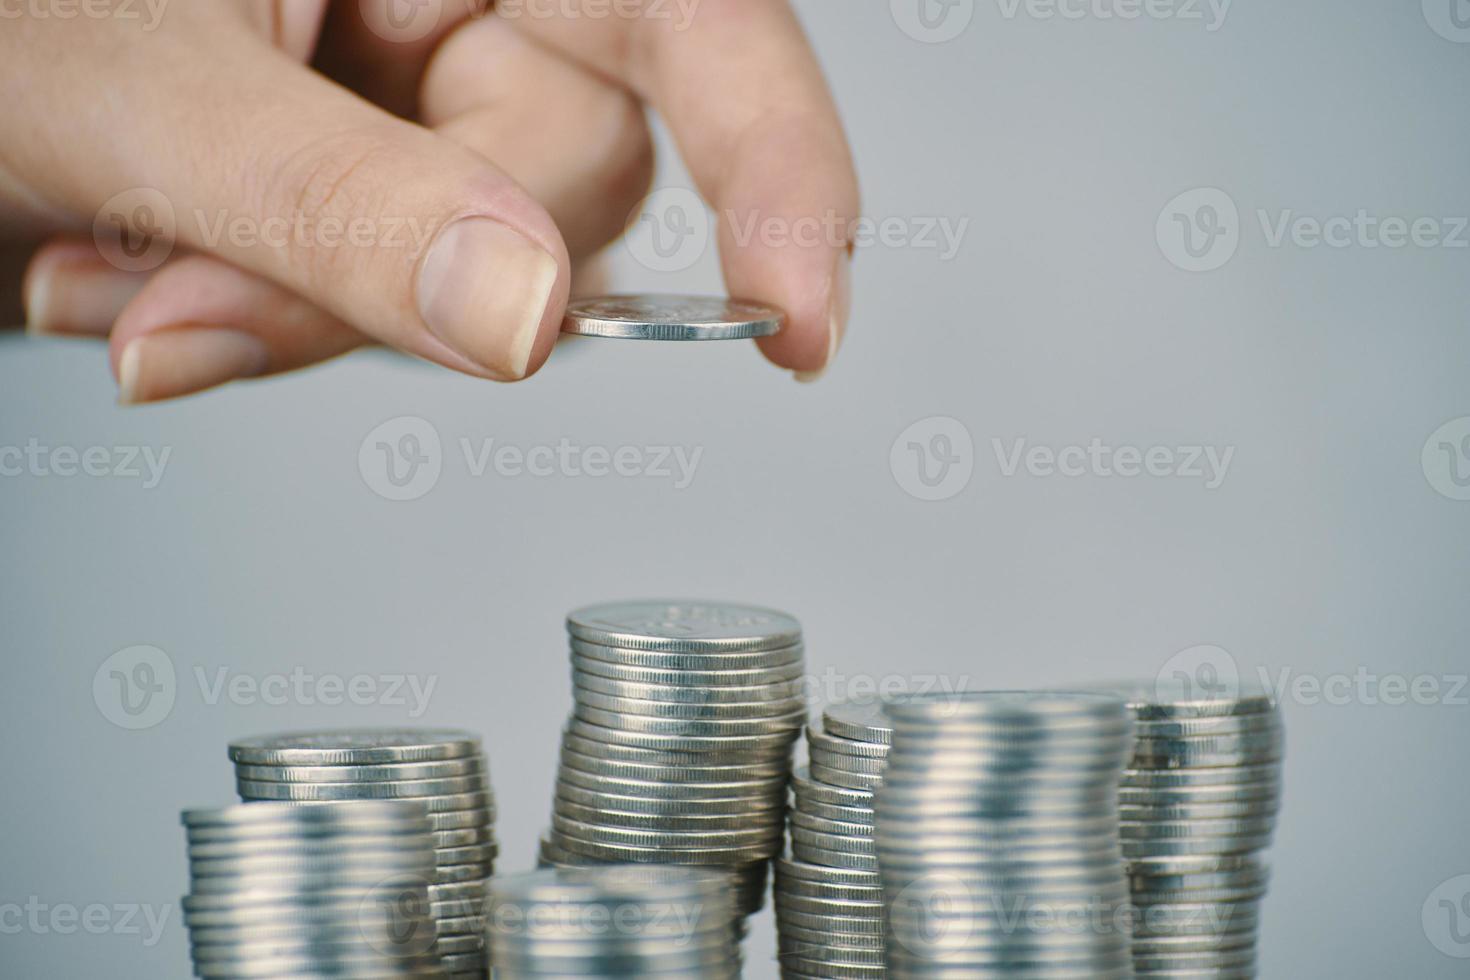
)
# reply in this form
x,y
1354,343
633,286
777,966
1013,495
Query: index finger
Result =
x,y
746,101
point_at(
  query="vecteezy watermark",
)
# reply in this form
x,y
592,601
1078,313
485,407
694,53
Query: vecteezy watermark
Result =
x,y
1446,459
1201,230
932,21
1211,672
137,688
933,459
832,686
410,21
1446,917
1210,13
395,916
1206,464
671,229
37,917
676,922
137,230
403,458
1450,19
146,13
37,459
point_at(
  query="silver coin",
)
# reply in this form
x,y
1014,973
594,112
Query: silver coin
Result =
x,y
691,661
690,772
1175,697
467,766
355,747
692,727
792,672
622,800
863,721
403,790
782,691
777,744
682,626
617,752
691,711
671,318
698,839
840,745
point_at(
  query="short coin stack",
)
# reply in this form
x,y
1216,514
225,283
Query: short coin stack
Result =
x,y
1199,805
444,770
625,921
679,747
337,889
997,826
829,901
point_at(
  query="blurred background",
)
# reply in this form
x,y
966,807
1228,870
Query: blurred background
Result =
x,y
1234,233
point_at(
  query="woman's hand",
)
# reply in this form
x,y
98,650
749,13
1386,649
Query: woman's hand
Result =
x,y
323,174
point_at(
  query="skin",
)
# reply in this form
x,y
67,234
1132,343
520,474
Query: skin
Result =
x,y
315,110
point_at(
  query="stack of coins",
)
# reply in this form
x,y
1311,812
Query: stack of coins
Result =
x,y
1199,806
829,901
445,770
336,889
997,826
627,921
679,746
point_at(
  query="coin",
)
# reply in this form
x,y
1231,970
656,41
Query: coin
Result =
x,y
671,318
355,747
683,626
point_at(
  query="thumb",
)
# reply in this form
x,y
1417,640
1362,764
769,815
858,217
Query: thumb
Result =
x,y
415,240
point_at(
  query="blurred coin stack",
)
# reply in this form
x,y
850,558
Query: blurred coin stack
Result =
x,y
679,746
829,901
1199,806
444,770
335,890
997,827
624,921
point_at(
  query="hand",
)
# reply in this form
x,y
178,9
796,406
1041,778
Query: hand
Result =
x,y
428,188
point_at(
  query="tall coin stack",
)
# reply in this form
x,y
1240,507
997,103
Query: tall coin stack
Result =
x,y
445,770
626,921
829,900
679,746
340,890
997,826
1199,806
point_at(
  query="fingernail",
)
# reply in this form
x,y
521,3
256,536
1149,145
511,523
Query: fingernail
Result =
x,y
80,298
184,360
839,307
483,290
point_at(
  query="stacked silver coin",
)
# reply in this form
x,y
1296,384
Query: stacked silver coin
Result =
x,y
829,900
997,827
337,889
679,746
624,921
444,770
1199,806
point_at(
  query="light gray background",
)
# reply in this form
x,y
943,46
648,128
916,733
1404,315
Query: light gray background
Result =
x,y
1326,550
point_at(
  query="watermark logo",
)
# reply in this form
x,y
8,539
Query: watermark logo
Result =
x,y
933,459
147,13
1199,673
1207,464
1450,19
1446,918
401,459
669,231
394,916
933,915
41,918
135,230
1211,13
402,21
932,21
135,687
1446,459
1199,230
37,459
